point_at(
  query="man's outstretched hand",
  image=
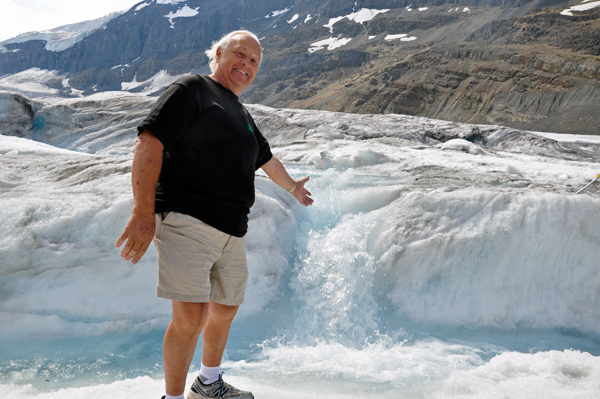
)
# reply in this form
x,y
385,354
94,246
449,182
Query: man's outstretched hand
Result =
x,y
301,193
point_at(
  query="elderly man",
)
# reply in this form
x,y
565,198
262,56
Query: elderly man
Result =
x,y
193,186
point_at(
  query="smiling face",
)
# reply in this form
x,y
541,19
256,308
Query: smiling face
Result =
x,y
237,64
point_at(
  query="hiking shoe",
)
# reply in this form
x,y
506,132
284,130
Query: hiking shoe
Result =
x,y
218,389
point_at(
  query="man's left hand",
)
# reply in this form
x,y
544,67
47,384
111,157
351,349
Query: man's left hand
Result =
x,y
301,193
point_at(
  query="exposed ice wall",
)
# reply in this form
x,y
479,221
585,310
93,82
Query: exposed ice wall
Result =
x,y
485,233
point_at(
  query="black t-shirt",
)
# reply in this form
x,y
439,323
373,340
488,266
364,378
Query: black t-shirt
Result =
x,y
212,149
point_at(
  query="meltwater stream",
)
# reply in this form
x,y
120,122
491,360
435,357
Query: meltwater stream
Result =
x,y
430,266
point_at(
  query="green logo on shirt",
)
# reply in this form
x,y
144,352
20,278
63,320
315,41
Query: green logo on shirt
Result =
x,y
250,128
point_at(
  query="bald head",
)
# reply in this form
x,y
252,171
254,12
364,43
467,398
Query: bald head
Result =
x,y
236,64
224,42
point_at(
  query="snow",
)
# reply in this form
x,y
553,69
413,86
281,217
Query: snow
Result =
x,y
150,86
458,144
457,9
394,37
440,259
142,5
184,12
331,43
34,81
295,17
31,81
308,18
130,85
64,37
17,145
121,66
365,15
169,2
402,36
423,8
277,13
519,375
361,16
332,21
581,7
569,138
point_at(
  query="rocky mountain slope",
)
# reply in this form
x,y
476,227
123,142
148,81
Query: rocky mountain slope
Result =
x,y
517,63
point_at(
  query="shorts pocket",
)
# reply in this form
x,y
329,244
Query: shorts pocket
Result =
x,y
159,220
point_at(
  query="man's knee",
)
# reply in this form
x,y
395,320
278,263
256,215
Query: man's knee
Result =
x,y
222,313
189,318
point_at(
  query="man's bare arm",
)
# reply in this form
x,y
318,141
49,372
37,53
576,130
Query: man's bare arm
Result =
x,y
139,231
276,171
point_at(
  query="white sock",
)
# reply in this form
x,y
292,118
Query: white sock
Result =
x,y
174,397
210,373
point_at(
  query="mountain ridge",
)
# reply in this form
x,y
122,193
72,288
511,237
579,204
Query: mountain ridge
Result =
x,y
516,63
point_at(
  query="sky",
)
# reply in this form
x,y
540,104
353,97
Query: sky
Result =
x,y
22,16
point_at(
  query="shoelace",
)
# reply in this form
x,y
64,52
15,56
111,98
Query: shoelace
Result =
x,y
229,387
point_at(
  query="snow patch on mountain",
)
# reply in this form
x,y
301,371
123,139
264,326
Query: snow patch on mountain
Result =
x,y
123,66
402,36
457,9
277,13
172,2
183,12
63,37
5,50
140,6
331,43
361,16
581,7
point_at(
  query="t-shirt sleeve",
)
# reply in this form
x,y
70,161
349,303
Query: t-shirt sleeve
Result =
x,y
264,150
170,115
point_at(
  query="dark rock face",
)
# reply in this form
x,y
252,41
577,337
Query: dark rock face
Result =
x,y
517,63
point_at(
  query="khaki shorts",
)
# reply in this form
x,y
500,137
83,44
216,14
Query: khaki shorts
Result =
x,y
198,263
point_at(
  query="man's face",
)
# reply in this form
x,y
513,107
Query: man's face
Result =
x,y
237,64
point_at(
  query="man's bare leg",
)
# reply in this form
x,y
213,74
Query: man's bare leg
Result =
x,y
180,343
214,340
216,333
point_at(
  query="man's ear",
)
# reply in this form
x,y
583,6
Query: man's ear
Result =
x,y
218,54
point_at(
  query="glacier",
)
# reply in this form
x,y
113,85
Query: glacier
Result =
x,y
440,260
63,37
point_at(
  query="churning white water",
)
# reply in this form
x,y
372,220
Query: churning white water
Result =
x,y
440,260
